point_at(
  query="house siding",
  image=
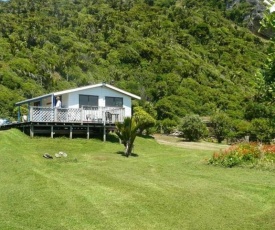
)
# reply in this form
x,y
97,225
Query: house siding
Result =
x,y
72,100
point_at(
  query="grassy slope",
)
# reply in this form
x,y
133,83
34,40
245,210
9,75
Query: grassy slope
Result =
x,y
96,188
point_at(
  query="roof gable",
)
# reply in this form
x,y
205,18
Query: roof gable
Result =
x,y
95,86
79,89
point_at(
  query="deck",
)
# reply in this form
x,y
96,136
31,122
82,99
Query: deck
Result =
x,y
76,115
69,122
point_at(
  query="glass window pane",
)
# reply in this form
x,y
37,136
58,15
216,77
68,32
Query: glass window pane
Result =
x,y
88,100
114,101
83,100
93,100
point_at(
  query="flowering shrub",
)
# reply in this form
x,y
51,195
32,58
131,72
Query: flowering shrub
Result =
x,y
244,154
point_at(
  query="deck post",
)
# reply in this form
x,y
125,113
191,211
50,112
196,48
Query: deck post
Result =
x,y
30,110
31,131
18,114
71,132
30,116
51,131
81,115
88,132
104,132
55,114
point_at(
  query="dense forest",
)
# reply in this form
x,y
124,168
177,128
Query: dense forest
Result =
x,y
181,56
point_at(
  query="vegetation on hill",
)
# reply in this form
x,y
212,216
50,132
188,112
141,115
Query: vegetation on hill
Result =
x,y
181,56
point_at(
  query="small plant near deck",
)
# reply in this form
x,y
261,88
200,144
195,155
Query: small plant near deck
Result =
x,y
252,154
128,130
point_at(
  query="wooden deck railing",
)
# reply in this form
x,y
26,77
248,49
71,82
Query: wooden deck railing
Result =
x,y
84,114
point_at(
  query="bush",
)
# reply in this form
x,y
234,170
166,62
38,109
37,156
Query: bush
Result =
x,y
146,120
245,154
262,129
167,126
193,128
220,123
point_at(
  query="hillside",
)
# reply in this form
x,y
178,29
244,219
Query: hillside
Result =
x,y
181,56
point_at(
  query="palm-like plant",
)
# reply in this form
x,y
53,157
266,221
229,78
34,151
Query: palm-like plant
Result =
x,y
127,132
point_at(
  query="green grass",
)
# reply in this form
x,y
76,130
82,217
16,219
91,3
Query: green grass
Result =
x,y
95,187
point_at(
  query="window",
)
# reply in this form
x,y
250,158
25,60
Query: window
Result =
x,y
114,101
37,103
88,101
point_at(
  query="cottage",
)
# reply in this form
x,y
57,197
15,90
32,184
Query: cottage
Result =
x,y
100,104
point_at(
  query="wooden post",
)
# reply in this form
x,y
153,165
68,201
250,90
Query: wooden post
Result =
x,y
88,132
55,114
30,111
31,131
51,131
81,115
71,132
30,114
104,132
18,114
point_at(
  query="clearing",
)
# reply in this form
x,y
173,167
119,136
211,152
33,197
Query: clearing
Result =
x,y
179,142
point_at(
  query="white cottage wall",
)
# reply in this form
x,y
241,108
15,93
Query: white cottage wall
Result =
x,y
65,100
101,92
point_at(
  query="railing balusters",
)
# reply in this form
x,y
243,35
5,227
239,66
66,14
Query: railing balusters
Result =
x,y
83,114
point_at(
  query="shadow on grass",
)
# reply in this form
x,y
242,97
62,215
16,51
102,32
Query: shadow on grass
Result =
x,y
123,154
111,137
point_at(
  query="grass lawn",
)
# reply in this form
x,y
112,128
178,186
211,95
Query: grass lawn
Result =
x,y
95,187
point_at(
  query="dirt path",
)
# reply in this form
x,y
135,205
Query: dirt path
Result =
x,y
176,141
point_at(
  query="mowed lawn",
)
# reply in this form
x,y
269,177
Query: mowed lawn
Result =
x,y
95,187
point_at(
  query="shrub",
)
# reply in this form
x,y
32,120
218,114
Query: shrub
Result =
x,y
220,126
262,129
244,154
193,128
167,126
145,119
269,151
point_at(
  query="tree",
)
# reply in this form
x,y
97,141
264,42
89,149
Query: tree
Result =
x,y
262,129
149,2
165,109
127,132
144,119
131,126
150,47
220,126
193,128
256,109
268,73
240,129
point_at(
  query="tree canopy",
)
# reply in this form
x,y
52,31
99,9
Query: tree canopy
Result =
x,y
181,56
